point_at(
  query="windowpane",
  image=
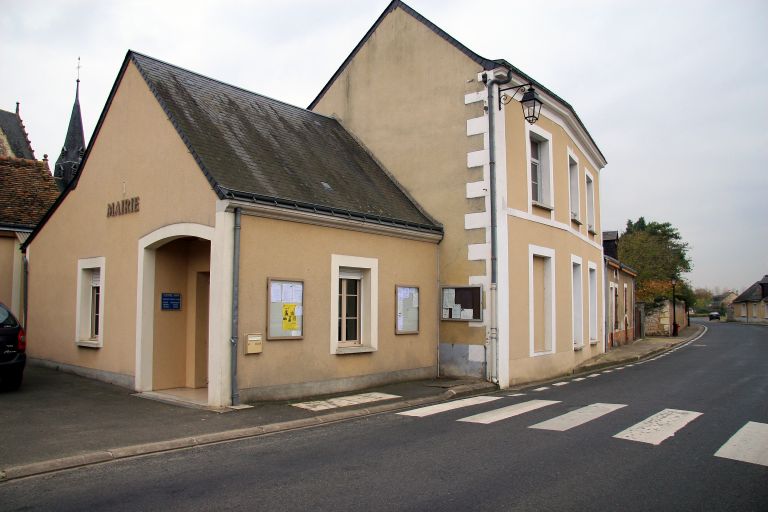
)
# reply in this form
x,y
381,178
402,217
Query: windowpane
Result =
x,y
534,149
351,306
534,181
351,329
351,286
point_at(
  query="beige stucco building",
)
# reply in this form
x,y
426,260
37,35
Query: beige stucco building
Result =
x,y
219,246
519,202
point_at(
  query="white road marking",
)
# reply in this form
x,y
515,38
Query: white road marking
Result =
x,y
507,412
749,444
593,375
662,425
607,371
344,401
579,379
620,368
578,417
559,383
629,365
543,388
448,406
518,394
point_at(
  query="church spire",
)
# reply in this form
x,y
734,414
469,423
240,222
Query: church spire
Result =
x,y
68,163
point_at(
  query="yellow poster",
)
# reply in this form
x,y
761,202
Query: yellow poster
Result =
x,y
290,322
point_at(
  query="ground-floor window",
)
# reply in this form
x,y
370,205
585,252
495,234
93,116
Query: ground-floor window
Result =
x,y
90,302
541,300
577,303
354,304
592,302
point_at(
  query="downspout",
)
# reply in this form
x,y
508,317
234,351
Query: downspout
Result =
x,y
24,284
235,294
493,375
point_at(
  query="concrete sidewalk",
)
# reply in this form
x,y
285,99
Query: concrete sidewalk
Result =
x,y
59,421
639,349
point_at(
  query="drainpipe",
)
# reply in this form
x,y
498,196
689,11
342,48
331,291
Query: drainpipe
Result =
x,y
235,294
493,375
24,284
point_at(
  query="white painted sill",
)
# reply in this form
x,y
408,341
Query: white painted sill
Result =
x,y
593,342
542,206
88,343
340,351
578,348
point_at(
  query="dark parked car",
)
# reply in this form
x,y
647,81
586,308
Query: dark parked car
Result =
x,y
13,346
714,315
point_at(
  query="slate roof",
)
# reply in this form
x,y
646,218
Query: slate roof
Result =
x,y
486,64
13,128
259,149
754,293
27,191
68,163
610,235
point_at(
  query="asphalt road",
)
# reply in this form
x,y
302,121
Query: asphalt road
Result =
x,y
435,462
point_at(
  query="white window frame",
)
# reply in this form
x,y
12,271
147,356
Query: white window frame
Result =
x,y
577,303
589,187
549,298
743,309
592,273
574,188
368,269
546,195
83,303
754,310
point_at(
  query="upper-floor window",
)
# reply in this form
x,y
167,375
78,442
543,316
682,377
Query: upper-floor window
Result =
x,y
573,178
540,167
591,205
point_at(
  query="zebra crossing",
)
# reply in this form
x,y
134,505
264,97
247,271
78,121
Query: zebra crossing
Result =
x,y
749,444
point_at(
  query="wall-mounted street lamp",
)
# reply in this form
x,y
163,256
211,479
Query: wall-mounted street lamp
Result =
x,y
530,101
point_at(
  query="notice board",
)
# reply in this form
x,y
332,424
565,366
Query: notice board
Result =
x,y
462,303
285,299
407,309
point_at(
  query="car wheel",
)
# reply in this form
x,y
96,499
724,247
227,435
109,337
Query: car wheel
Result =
x,y
12,381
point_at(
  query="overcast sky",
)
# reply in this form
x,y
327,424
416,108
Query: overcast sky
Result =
x,y
674,93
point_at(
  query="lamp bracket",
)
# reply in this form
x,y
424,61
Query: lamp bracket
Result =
x,y
504,99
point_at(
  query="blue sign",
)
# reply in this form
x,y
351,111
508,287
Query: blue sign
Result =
x,y
170,302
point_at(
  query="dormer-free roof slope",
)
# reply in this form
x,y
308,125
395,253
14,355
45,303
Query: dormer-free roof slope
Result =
x,y
259,149
27,190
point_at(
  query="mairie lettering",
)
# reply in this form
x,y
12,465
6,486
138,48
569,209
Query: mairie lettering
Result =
x,y
123,207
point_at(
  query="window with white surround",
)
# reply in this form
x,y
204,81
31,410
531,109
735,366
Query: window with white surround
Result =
x,y
592,302
754,310
89,320
765,309
577,304
541,300
573,188
590,189
354,304
540,167
743,310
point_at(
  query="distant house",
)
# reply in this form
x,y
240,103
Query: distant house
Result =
x,y
620,290
722,301
751,306
27,190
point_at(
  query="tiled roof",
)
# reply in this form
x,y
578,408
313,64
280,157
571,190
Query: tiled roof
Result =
x,y
754,293
255,148
27,190
487,64
13,128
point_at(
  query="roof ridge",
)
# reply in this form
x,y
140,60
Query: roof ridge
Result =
x,y
226,84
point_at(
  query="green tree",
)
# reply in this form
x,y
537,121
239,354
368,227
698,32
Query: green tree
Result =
x,y
657,252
